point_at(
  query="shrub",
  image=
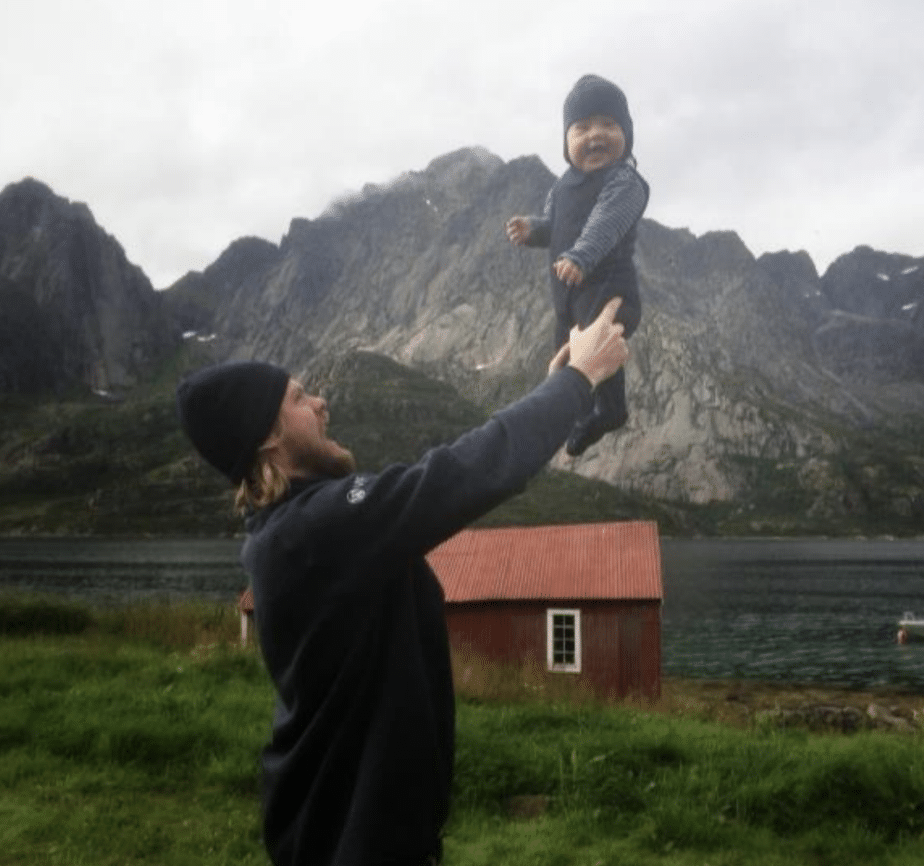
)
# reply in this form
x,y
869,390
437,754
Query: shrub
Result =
x,y
27,615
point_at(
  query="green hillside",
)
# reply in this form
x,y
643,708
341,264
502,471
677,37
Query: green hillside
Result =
x,y
83,465
86,466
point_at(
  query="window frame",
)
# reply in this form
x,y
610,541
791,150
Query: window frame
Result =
x,y
562,667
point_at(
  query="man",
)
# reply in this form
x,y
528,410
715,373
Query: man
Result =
x,y
349,616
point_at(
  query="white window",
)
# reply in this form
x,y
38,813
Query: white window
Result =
x,y
563,640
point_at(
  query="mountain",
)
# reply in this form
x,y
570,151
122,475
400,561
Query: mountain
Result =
x,y
764,397
76,312
79,467
746,375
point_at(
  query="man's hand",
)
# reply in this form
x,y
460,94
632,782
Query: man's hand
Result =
x,y
517,229
599,350
568,272
560,360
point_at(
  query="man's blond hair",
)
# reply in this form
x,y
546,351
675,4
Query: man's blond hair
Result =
x,y
263,485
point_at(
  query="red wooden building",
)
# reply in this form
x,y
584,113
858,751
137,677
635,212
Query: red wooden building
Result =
x,y
582,600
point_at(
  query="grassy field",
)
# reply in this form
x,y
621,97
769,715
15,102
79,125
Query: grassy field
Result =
x,y
132,736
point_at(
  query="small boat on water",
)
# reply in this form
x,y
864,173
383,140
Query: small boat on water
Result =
x,y
910,627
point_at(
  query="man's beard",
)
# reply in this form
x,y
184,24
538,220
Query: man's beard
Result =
x,y
332,465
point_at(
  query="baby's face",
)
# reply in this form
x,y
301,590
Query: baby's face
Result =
x,y
595,142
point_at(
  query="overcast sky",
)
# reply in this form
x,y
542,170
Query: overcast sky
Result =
x,y
185,124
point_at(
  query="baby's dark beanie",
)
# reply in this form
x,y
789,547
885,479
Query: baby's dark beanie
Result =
x,y
228,410
595,95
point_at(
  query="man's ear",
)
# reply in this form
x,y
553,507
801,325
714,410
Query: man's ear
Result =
x,y
270,444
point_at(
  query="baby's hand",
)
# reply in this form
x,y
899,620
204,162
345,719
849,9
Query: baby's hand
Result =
x,y
517,230
568,272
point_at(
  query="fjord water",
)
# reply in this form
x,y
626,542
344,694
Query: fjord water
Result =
x,y
103,571
808,610
805,610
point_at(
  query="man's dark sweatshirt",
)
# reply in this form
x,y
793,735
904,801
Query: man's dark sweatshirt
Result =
x,y
351,624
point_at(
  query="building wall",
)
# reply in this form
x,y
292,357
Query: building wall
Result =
x,y
621,640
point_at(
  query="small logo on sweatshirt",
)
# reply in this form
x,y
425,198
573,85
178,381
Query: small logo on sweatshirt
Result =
x,y
357,493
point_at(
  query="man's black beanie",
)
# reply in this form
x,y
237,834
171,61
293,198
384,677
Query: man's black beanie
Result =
x,y
228,411
595,95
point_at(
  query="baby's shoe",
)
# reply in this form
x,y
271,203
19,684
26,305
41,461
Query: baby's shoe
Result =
x,y
591,429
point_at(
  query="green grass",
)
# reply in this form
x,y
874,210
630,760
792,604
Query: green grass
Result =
x,y
635,787
126,741
120,753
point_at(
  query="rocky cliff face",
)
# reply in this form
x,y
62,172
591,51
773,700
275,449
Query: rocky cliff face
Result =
x,y
419,271
741,366
76,313
876,330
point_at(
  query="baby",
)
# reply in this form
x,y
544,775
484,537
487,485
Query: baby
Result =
x,y
589,225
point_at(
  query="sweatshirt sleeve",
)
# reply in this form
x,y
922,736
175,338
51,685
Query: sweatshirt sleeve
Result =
x,y
620,204
408,510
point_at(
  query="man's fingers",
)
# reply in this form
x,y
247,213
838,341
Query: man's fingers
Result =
x,y
610,309
607,317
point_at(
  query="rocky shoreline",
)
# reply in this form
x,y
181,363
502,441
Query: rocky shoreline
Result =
x,y
746,703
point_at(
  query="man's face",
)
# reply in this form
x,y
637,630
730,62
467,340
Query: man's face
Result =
x,y
301,438
595,142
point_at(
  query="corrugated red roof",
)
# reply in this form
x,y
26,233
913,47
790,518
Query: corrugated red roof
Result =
x,y
586,561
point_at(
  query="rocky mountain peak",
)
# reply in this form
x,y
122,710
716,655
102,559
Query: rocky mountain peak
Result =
x,y
464,159
867,282
790,267
76,311
458,173
22,202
